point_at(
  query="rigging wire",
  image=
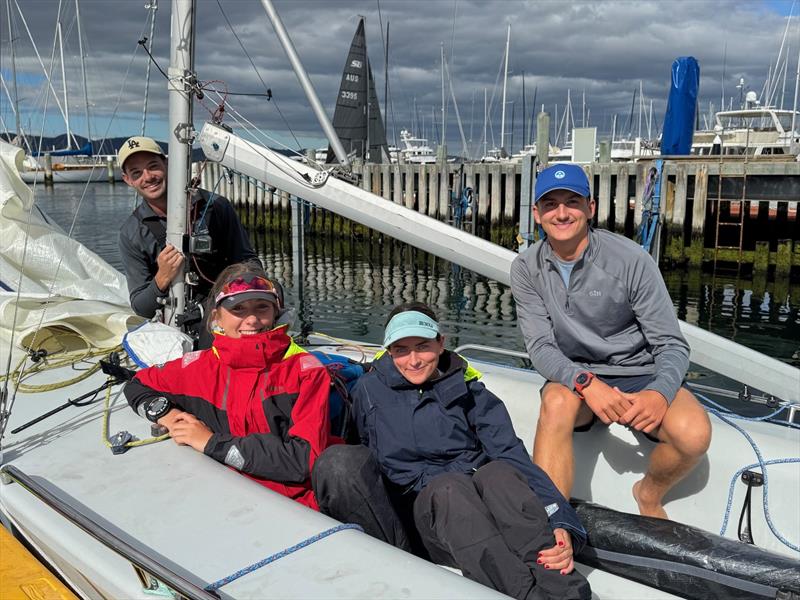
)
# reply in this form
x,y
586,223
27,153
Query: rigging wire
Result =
x,y
269,92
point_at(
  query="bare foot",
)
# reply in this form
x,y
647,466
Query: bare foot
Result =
x,y
648,509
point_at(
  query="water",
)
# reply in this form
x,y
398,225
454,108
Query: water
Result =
x,y
349,286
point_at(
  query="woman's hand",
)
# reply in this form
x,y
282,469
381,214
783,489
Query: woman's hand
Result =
x,y
559,556
188,430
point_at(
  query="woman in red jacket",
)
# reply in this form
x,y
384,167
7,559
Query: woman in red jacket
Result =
x,y
254,401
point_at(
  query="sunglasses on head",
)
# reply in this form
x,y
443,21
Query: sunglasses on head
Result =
x,y
245,283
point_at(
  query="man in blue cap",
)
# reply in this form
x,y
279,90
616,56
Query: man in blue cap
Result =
x,y
599,325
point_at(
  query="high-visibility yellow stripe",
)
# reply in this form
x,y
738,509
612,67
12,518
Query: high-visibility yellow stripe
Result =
x,y
22,577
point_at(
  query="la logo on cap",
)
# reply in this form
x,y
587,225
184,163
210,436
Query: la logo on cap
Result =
x,y
559,174
133,144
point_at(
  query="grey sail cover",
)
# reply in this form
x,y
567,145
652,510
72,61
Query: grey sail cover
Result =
x,y
357,118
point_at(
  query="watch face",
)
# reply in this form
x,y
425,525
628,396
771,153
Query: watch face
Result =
x,y
157,406
581,379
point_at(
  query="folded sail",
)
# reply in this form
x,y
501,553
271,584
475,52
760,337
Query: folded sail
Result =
x,y
357,118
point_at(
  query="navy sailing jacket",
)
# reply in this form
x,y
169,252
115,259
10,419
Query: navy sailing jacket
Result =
x,y
450,424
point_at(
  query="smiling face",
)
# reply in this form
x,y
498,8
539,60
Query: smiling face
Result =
x,y
564,215
416,357
246,318
147,174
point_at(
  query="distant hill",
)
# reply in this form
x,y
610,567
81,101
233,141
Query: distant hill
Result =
x,y
108,146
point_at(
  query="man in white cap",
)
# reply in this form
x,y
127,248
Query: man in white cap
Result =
x,y
599,325
150,263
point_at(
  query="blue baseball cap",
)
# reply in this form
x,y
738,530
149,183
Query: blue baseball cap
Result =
x,y
409,324
562,177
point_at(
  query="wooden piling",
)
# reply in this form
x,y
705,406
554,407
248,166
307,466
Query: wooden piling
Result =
x,y
604,197
621,200
676,217
443,206
48,169
409,199
698,215
433,189
423,186
494,199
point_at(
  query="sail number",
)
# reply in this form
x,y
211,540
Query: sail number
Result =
x,y
347,95
353,77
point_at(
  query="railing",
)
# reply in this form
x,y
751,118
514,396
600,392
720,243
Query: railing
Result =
x,y
175,582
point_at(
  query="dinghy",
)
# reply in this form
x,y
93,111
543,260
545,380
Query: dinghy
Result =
x,y
118,513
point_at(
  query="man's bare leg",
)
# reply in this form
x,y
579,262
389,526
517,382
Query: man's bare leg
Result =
x,y
561,411
684,435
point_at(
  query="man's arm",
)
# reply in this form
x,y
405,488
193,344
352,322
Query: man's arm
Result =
x,y
144,292
537,329
655,314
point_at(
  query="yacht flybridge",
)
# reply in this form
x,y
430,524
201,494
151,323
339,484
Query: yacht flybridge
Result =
x,y
758,131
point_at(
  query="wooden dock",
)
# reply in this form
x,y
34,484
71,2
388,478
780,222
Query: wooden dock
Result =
x,y
727,210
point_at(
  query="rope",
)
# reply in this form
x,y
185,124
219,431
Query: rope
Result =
x,y
727,416
19,373
212,587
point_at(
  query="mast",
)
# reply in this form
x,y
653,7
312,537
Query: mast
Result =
x,y
524,113
83,72
796,88
64,85
641,107
306,84
505,84
444,110
13,70
181,133
153,7
485,120
386,79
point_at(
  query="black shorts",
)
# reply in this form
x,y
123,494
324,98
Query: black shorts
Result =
x,y
628,384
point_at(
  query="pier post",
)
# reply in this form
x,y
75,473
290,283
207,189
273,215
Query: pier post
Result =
x,y
433,189
783,260
48,169
409,187
510,204
110,162
422,189
444,187
604,190
542,139
698,215
397,188
386,182
526,224
641,178
677,216
483,196
495,199
621,199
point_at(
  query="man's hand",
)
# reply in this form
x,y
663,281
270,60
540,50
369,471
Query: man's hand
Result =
x,y
170,261
188,430
559,556
648,408
609,404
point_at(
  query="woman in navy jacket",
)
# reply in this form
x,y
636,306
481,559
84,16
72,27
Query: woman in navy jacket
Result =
x,y
459,479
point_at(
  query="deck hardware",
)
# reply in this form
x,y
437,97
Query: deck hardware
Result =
x,y
118,442
752,479
744,394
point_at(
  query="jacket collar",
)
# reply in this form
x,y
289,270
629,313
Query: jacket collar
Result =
x,y
258,351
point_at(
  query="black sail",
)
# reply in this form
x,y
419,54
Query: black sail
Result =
x,y
357,118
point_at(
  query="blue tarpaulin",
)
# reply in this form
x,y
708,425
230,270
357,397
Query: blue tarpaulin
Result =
x,y
679,120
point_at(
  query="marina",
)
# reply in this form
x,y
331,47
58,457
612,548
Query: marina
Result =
x,y
214,485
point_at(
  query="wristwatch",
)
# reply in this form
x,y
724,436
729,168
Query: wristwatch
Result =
x,y
582,381
157,408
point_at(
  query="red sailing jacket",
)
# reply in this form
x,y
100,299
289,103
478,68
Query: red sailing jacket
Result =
x,y
264,398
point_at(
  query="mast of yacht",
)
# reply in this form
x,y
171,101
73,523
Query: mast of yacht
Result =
x,y
505,84
485,121
64,85
444,113
181,90
15,101
83,71
152,6
796,88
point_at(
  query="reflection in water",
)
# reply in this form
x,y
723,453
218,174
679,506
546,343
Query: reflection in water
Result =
x,y
349,287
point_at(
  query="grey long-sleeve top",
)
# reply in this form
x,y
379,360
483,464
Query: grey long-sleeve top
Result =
x,y
614,318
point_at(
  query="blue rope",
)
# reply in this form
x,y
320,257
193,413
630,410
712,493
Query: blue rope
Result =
x,y
212,587
725,415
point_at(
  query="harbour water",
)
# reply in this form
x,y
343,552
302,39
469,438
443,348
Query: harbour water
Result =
x,y
348,286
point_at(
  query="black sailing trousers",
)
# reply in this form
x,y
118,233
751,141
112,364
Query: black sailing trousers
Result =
x,y
491,525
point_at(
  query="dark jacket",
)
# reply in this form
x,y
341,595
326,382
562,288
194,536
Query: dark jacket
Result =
x,y
450,424
614,318
142,237
264,398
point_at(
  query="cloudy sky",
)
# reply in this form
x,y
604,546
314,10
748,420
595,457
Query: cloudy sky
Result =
x,y
597,50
